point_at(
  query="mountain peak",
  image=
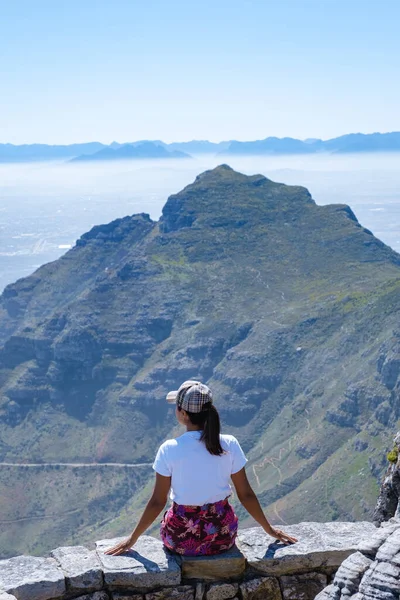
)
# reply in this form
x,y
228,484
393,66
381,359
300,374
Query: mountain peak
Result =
x,y
225,174
225,196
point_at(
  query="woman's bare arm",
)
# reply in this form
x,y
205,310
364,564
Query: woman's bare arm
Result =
x,y
154,507
250,501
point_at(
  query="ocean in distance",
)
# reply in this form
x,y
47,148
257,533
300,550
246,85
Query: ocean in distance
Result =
x,y
46,207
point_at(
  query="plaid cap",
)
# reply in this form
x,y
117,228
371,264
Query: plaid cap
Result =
x,y
191,396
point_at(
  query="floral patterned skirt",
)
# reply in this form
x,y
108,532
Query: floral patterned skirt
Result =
x,y
199,530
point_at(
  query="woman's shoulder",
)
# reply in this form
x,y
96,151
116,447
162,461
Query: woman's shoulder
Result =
x,y
229,440
172,443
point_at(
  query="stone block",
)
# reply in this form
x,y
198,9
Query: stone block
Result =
x,y
302,587
222,591
262,588
127,596
182,592
31,578
320,546
228,565
149,565
95,596
81,567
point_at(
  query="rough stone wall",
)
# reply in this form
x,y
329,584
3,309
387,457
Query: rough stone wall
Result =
x,y
257,569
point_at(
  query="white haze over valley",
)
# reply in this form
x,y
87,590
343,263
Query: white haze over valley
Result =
x,y
46,207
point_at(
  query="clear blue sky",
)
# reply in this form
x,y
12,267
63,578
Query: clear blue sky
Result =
x,y
81,70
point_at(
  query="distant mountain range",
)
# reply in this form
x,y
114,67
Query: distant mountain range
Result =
x,y
132,151
144,149
353,142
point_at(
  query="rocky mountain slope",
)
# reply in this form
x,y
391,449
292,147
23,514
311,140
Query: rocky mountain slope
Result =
x,y
287,309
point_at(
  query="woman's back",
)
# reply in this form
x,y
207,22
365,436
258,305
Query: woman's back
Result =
x,y
198,477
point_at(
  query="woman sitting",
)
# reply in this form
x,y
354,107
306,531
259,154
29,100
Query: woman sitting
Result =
x,y
197,467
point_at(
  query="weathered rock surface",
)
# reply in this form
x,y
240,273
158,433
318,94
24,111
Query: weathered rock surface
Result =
x,y
320,546
127,596
5,596
94,596
302,587
182,592
31,578
363,578
371,545
261,588
230,565
148,566
81,567
222,591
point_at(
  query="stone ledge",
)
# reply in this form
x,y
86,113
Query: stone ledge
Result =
x,y
258,567
81,567
146,567
32,578
321,546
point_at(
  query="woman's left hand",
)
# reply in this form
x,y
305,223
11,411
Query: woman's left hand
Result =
x,y
122,547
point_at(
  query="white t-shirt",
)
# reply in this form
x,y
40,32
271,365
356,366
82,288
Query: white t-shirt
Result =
x,y
198,477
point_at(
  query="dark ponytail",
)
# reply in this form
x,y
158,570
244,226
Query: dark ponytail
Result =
x,y
208,421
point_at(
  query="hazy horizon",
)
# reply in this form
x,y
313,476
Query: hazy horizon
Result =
x,y
199,139
45,207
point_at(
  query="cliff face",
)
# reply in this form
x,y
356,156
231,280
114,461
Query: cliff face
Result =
x,y
287,309
373,572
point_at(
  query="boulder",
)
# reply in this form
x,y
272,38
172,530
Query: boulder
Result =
x,y
149,565
81,567
302,587
320,546
261,589
223,591
31,578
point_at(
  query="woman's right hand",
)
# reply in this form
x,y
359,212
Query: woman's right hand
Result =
x,y
281,536
122,547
